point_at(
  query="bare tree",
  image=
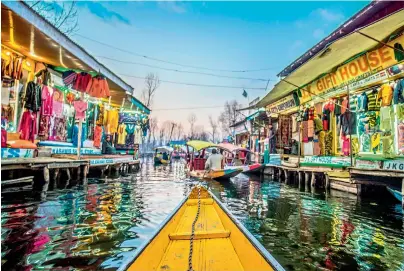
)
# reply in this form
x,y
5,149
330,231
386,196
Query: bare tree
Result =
x,y
191,121
152,83
179,131
152,132
230,116
200,133
213,125
62,14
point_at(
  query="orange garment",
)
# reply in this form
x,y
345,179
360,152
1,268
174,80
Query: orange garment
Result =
x,y
385,94
97,136
98,87
112,121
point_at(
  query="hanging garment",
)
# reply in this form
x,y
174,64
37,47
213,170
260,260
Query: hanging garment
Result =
x,y
385,94
310,129
3,138
59,129
328,143
311,113
97,136
69,78
28,127
353,103
318,126
401,137
98,87
316,147
47,101
80,108
365,143
82,81
373,104
138,135
69,128
68,111
398,54
398,97
112,121
328,108
387,145
130,130
121,134
308,148
58,96
348,123
305,131
7,112
375,142
344,105
57,109
346,146
363,102
6,88
321,142
33,97
386,118
337,106
355,145
100,116
75,135
44,123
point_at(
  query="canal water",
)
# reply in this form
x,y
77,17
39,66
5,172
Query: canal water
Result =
x,y
98,227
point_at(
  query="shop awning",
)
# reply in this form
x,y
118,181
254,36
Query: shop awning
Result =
x,y
199,144
138,104
26,32
334,54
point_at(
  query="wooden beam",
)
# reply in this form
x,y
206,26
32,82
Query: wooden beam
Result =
x,y
17,181
200,235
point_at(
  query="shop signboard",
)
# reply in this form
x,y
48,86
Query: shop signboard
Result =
x,y
394,165
353,71
367,164
16,153
374,78
327,160
241,128
281,105
64,150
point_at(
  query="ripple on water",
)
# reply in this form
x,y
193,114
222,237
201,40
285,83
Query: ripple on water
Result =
x,y
100,227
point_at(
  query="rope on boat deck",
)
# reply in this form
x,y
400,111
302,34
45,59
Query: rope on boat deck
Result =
x,y
191,245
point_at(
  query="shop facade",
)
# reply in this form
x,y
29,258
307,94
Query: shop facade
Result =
x,y
61,102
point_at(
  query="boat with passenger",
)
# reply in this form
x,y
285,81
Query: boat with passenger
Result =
x,y
162,155
238,158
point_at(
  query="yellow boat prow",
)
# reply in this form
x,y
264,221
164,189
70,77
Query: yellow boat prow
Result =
x,y
220,241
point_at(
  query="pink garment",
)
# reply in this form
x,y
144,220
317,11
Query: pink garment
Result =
x,y
47,101
80,108
28,126
346,146
57,109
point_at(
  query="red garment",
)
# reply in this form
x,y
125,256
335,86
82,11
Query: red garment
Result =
x,y
28,126
44,123
80,108
97,136
311,113
3,138
98,87
47,101
82,81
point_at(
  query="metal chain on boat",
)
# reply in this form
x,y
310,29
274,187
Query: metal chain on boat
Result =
x,y
191,241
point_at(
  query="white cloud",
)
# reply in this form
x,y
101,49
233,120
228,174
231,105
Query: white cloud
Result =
x,y
172,6
329,15
318,33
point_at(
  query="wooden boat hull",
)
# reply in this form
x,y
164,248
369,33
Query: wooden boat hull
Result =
x,y
395,193
220,242
221,174
249,169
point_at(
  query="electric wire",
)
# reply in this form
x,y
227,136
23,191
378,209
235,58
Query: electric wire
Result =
x,y
170,62
180,71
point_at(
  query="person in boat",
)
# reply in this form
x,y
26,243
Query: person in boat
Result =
x,y
214,161
237,161
107,147
165,156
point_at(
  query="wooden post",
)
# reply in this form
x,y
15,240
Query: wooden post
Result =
x,y
300,178
286,172
299,147
55,176
45,187
68,177
313,180
359,189
79,135
327,181
85,171
306,178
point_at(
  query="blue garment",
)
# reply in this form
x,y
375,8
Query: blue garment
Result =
x,y
398,92
75,135
363,102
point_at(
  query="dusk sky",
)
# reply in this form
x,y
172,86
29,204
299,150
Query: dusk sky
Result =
x,y
215,35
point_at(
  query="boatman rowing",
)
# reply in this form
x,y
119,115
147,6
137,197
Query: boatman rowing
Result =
x,y
214,161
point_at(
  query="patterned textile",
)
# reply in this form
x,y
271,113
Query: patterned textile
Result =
x,y
44,127
305,131
328,143
310,129
364,143
387,143
316,150
386,118
375,142
284,131
321,141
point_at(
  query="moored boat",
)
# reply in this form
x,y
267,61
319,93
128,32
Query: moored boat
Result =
x,y
219,174
158,157
246,168
249,169
395,193
201,234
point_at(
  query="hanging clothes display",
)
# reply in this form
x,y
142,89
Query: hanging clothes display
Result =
x,y
75,135
81,82
80,108
122,134
130,130
33,97
385,95
28,127
98,87
98,131
47,101
12,67
69,78
111,121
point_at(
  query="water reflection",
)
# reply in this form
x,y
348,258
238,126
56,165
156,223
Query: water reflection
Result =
x,y
99,226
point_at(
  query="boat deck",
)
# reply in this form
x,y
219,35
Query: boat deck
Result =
x,y
213,249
